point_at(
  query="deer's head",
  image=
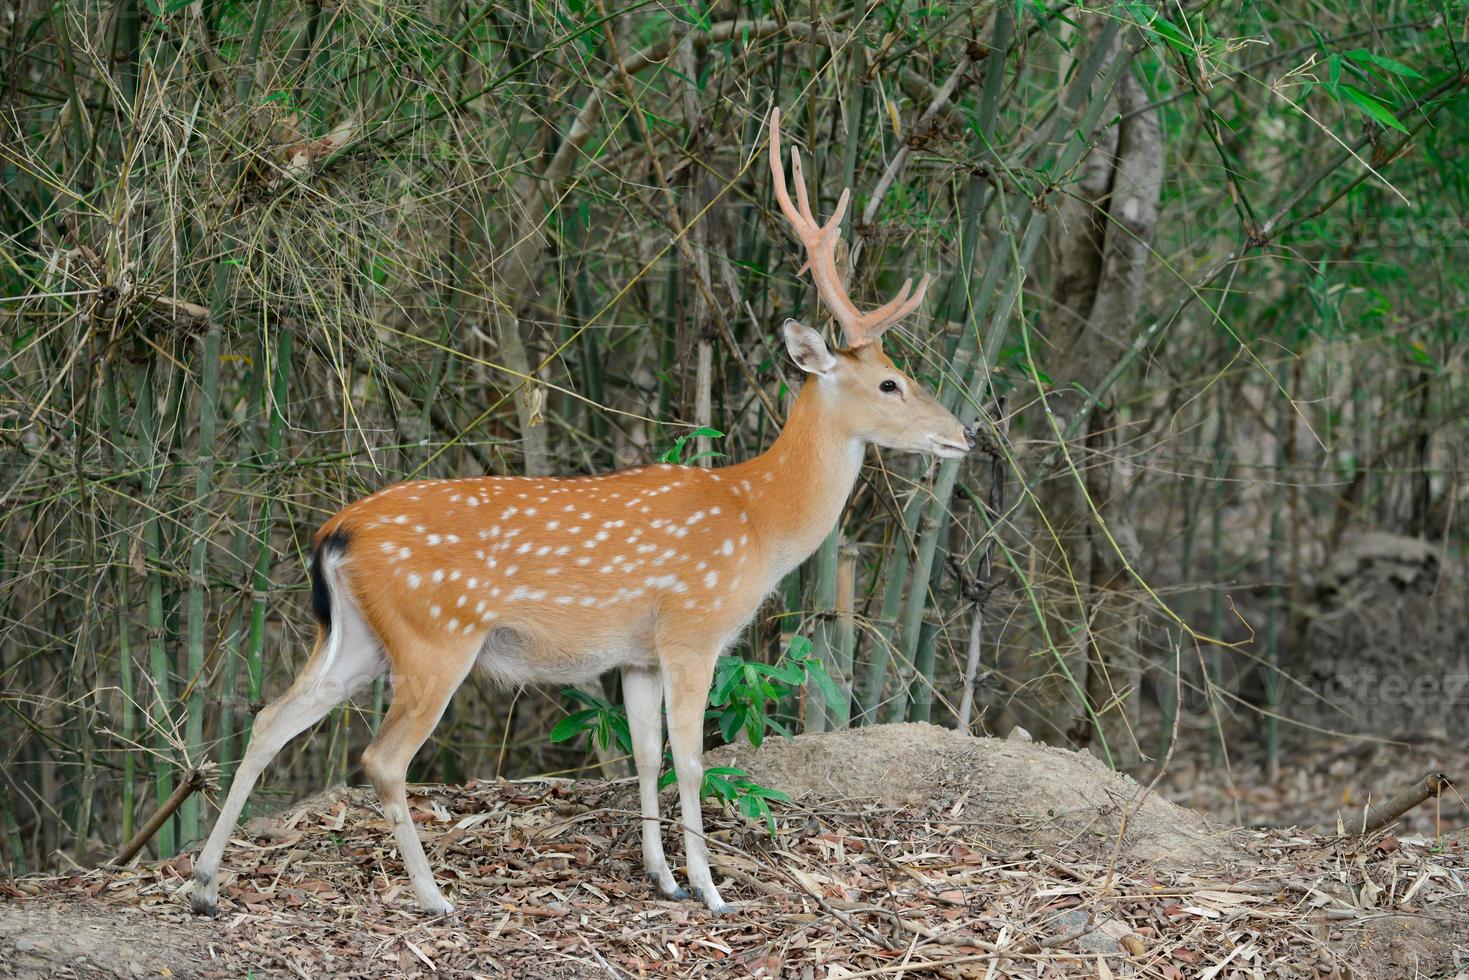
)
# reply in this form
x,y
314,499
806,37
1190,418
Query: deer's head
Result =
x,y
860,384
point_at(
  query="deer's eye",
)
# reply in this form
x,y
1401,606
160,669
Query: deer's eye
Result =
x,y
888,387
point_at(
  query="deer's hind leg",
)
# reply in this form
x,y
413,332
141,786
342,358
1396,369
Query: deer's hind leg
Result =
x,y
422,687
338,666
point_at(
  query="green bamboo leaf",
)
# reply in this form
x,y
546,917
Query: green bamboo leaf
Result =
x,y
572,725
1372,106
1365,57
830,693
730,722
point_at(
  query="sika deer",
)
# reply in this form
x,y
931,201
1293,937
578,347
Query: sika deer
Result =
x,y
653,571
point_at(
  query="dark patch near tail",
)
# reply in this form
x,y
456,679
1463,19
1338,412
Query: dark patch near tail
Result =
x,y
321,593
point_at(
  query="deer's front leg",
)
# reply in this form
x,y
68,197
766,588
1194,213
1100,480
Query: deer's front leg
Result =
x,y
642,694
686,677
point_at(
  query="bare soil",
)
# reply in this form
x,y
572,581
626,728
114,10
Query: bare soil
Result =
x,y
910,851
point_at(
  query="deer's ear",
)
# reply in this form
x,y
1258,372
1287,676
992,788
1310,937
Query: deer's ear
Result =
x,y
807,349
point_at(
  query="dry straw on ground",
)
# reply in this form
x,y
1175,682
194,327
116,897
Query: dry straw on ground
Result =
x,y
547,881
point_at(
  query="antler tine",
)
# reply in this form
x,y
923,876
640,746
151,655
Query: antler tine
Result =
x,y
820,240
802,201
778,177
900,306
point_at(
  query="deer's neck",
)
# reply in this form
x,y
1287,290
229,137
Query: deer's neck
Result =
x,y
801,484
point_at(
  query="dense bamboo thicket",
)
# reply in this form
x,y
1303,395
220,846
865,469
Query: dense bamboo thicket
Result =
x,y
1199,283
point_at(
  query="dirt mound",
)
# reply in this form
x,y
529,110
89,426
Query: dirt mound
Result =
x,y
1024,792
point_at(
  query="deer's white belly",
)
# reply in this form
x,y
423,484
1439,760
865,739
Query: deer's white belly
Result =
x,y
514,657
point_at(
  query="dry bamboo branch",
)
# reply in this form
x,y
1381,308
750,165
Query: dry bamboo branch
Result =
x,y
193,781
1431,786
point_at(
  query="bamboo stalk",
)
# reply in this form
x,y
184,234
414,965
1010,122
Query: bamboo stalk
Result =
x,y
121,585
1215,661
822,571
280,372
256,400
194,748
1272,684
150,438
920,695
874,678
971,664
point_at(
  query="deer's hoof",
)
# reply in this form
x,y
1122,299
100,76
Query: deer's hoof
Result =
x,y
204,898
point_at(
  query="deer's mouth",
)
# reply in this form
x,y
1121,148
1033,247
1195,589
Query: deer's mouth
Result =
x,y
945,449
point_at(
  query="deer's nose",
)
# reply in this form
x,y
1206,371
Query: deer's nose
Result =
x,y
969,436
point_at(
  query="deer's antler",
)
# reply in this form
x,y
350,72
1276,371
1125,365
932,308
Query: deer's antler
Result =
x,y
821,241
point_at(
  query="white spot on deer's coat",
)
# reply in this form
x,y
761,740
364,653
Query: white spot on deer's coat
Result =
x,y
434,611
438,575
711,580
413,580
728,547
